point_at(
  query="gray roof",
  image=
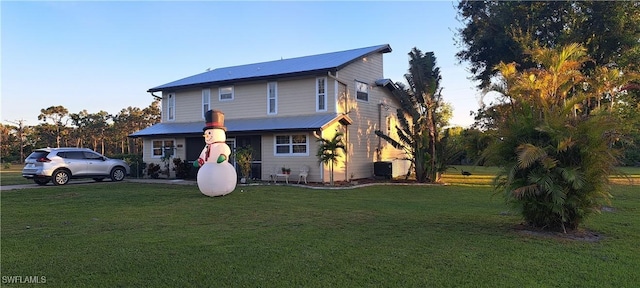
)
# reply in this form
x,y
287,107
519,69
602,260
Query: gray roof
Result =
x,y
266,124
280,68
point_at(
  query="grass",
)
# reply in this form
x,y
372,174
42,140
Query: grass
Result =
x,y
13,176
131,235
481,175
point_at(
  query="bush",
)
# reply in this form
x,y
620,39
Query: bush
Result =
x,y
556,158
182,168
153,170
134,161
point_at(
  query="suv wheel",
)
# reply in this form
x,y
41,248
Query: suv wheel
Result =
x,y
41,182
61,177
117,174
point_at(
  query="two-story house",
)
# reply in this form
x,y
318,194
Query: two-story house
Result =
x,y
279,108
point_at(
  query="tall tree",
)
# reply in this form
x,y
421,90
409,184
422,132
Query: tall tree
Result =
x,y
132,119
503,31
6,138
21,136
58,116
421,115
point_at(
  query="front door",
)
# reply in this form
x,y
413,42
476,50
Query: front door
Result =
x,y
194,146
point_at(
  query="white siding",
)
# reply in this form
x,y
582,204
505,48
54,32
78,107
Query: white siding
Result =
x,y
272,162
297,96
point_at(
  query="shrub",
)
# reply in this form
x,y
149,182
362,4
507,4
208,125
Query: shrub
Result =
x,y
556,154
153,170
182,168
134,161
244,156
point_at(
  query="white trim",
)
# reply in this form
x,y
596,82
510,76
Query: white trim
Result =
x,y
206,100
324,94
363,85
163,145
220,93
336,96
290,144
275,108
171,107
231,142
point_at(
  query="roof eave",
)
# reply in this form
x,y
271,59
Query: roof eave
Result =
x,y
238,80
384,49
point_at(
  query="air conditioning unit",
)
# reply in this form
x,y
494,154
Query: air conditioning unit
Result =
x,y
382,169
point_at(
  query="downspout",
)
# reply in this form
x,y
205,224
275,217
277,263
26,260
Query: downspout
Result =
x,y
319,136
346,133
346,154
335,78
379,149
156,97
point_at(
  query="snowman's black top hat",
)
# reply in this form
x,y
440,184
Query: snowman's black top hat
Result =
x,y
214,120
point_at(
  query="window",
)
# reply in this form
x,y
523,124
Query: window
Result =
x,y
206,100
171,106
72,155
92,156
362,91
272,98
226,93
321,94
157,147
295,144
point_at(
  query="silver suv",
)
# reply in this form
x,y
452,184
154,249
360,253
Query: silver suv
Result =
x,y
62,164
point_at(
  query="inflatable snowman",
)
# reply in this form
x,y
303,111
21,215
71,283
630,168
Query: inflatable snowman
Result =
x,y
216,177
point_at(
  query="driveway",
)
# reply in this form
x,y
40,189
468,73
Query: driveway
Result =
x,y
34,185
82,182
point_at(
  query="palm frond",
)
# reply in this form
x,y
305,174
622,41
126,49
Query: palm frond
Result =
x,y
525,191
528,154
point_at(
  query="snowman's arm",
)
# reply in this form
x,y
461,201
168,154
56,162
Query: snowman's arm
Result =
x,y
225,154
200,161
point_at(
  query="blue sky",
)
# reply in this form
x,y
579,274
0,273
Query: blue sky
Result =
x,y
106,55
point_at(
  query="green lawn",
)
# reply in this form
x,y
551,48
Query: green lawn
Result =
x,y
151,235
481,175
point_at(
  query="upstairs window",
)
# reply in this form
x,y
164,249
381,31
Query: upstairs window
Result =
x,y
288,145
171,106
362,91
206,101
321,94
226,93
272,98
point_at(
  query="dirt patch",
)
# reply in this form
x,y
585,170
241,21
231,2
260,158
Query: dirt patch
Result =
x,y
364,181
66,195
583,235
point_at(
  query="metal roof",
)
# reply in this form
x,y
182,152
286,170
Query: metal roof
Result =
x,y
279,68
273,124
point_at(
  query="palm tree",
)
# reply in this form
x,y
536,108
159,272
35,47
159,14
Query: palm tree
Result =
x,y
555,162
420,115
328,151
